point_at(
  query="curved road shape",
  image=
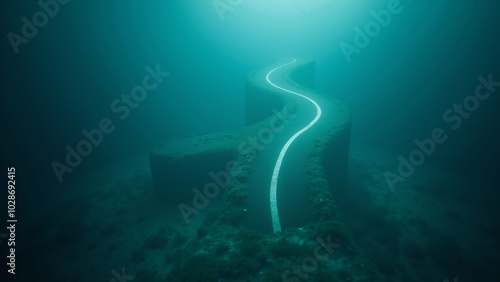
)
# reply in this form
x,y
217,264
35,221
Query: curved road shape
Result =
x,y
276,171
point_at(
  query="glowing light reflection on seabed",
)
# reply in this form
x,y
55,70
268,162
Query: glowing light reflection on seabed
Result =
x,y
274,179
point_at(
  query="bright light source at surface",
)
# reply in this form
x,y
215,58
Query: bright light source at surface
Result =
x,y
284,8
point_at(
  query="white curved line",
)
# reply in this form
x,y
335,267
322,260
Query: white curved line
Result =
x,y
276,171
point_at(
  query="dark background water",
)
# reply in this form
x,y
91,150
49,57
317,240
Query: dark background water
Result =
x,y
398,87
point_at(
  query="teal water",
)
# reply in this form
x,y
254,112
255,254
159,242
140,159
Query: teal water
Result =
x,y
402,82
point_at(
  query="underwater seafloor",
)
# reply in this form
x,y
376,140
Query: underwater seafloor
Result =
x,y
111,226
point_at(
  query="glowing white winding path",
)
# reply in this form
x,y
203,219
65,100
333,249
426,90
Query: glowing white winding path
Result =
x,y
274,180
